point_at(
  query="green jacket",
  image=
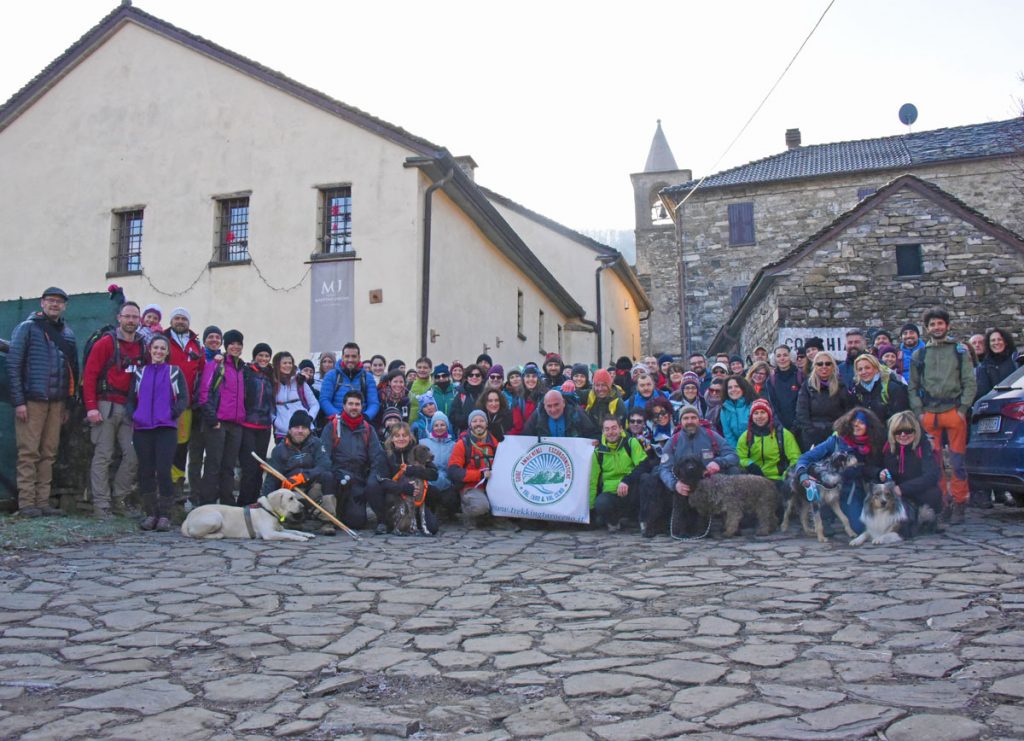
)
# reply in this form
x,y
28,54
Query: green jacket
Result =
x,y
764,452
612,463
418,388
948,378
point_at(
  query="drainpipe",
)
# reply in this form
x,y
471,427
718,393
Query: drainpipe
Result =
x,y
425,271
606,262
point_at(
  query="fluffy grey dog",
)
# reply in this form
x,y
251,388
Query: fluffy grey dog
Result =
x,y
731,496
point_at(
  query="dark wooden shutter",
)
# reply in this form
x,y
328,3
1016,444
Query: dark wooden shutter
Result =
x,y
741,223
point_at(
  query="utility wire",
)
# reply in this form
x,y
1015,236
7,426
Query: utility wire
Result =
x,y
714,167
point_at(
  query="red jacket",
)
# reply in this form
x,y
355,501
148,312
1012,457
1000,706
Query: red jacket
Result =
x,y
190,359
120,365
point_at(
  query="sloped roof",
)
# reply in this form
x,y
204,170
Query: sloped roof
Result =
x,y
767,275
620,267
998,138
659,158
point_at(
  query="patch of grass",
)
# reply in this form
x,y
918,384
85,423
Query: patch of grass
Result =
x,y
45,532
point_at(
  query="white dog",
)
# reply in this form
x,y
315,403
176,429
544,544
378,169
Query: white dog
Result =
x,y
882,515
214,521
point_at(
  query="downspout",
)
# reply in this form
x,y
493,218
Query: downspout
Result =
x,y
425,268
605,263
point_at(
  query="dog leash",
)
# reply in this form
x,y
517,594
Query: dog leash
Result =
x,y
672,528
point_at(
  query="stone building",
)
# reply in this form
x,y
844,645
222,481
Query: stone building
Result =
x,y
741,219
151,157
900,251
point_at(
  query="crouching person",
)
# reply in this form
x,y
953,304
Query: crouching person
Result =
x,y
767,449
358,465
442,495
612,493
301,458
692,440
469,467
910,462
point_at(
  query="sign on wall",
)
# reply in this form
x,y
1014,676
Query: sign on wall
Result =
x,y
834,337
331,305
547,479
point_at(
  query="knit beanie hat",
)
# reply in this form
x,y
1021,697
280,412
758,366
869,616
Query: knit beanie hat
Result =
x,y
911,326
515,370
602,376
441,370
639,369
212,329
440,416
815,342
496,370
688,409
761,405
181,311
883,349
395,365
482,357
390,413
531,368
622,363
690,377
426,399
301,418
664,358
474,414
306,363
231,337
553,357
154,308
260,347
457,364
581,369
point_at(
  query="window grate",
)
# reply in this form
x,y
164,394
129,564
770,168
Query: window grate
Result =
x,y
128,257
336,224
234,230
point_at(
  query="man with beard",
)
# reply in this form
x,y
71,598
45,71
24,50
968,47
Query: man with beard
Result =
x,y
443,389
42,367
302,459
469,467
910,342
699,366
554,371
942,389
348,375
856,345
187,355
358,465
555,419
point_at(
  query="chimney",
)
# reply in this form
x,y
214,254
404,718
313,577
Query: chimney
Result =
x,y
792,138
467,164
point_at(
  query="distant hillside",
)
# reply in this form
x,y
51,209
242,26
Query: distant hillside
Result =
x,y
622,240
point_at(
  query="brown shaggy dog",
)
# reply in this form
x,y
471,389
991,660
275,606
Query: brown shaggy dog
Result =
x,y
731,496
402,514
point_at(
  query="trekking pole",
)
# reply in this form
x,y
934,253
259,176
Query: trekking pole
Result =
x,y
278,475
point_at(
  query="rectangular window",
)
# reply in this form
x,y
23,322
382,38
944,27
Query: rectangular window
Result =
x,y
908,260
233,215
741,223
540,331
520,316
336,221
126,255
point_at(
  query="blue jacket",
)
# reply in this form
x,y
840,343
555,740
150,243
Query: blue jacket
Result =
x,y
337,383
733,419
905,356
36,367
705,444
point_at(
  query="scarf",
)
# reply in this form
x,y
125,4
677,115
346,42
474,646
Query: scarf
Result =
x,y
350,422
861,444
868,385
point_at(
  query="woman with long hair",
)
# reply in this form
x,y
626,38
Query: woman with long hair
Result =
x,y
999,360
529,397
910,461
394,398
757,377
291,393
326,364
875,388
493,403
822,400
735,412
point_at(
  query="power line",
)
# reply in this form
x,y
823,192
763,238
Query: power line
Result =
x,y
714,167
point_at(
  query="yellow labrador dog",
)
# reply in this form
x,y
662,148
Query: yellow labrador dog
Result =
x,y
264,520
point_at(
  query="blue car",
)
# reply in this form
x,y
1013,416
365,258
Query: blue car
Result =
x,y
995,452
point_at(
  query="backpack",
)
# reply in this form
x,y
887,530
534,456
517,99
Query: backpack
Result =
x,y
600,451
107,330
919,365
711,435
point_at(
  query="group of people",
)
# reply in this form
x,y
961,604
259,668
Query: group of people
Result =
x,y
170,406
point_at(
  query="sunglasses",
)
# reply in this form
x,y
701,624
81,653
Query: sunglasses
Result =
x,y
663,414
495,375
441,375
476,375
823,365
715,392
903,432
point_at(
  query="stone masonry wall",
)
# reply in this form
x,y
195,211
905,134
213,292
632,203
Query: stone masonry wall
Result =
x,y
657,264
786,214
851,281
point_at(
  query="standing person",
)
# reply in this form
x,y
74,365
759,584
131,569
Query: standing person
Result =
x,y
444,389
652,367
484,363
555,419
942,390
612,493
622,378
645,391
890,358
292,393
736,365
875,389
465,399
581,379
212,353
469,467
735,412
856,345
784,387
910,342
977,343
757,376
499,417
715,397
327,362
699,367
495,377
821,401
105,384
42,367
222,400
393,396
689,394
553,371
258,426
529,398
186,355
662,382
458,372
378,368
999,361
513,384
157,397
760,354
350,376
420,385
358,465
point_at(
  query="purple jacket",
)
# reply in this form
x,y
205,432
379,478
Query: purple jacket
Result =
x,y
157,397
222,392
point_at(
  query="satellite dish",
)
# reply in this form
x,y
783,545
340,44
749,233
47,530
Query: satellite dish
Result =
x,y
908,114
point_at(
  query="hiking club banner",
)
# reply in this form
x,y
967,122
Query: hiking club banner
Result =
x,y
542,479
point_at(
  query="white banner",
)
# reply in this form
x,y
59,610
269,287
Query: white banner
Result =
x,y
545,480
834,338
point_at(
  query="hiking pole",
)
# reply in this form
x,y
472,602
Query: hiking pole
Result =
x,y
277,475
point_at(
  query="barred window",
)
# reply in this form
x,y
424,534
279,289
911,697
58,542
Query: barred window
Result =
x,y
126,254
336,221
233,245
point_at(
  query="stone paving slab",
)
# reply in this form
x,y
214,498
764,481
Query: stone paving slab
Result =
x,y
565,634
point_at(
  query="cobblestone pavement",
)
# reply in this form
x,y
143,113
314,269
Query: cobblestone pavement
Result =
x,y
497,634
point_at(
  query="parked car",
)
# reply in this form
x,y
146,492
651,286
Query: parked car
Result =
x,y
995,452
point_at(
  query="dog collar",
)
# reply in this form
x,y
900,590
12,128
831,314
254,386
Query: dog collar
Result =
x,y
272,513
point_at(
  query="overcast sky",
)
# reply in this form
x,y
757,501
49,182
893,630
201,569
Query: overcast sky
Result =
x,y
557,101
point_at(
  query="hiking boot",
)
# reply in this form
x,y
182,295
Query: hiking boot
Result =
x,y
30,512
613,527
163,525
959,510
101,514
53,512
381,529
148,523
327,529
947,512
